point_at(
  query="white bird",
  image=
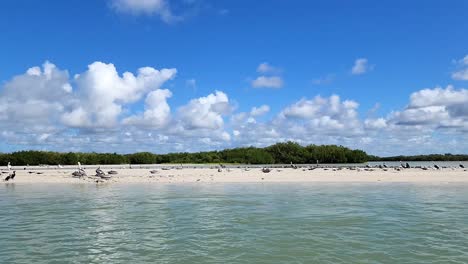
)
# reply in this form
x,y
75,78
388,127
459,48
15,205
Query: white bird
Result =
x,y
9,166
79,165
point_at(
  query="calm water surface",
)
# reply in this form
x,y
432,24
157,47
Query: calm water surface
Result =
x,y
234,223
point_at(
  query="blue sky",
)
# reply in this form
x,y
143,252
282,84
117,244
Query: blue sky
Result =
x,y
294,60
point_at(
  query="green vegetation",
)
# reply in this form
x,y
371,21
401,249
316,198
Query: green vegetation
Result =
x,y
276,154
280,153
430,157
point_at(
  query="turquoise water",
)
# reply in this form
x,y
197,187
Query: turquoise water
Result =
x,y
234,223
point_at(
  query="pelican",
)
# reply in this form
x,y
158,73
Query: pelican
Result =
x,y
11,176
436,166
293,165
99,172
462,166
9,166
266,170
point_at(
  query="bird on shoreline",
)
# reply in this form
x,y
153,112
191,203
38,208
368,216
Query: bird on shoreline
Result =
x,y
9,166
10,177
436,167
462,166
100,173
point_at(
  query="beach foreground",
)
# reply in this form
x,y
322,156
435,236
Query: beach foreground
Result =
x,y
242,175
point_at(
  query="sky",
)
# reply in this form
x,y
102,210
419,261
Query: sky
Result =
x,y
387,77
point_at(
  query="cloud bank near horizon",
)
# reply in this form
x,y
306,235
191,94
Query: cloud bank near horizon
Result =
x,y
48,108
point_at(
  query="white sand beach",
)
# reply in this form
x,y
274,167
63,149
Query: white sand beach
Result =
x,y
242,175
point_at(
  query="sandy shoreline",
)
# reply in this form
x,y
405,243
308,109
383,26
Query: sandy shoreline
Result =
x,y
240,175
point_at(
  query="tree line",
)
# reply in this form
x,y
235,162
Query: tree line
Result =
x,y
429,157
279,153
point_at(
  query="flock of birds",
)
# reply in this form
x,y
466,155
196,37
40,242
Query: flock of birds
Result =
x,y
101,176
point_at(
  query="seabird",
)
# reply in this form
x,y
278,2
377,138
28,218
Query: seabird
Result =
x,y
293,165
9,166
462,166
99,172
436,166
11,176
266,170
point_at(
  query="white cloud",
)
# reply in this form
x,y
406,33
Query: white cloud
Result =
x,y
378,123
265,67
157,111
146,7
361,66
463,61
461,75
437,107
104,92
325,115
268,82
44,109
438,97
34,100
205,112
259,111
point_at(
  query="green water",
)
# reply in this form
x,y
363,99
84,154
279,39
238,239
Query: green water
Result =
x,y
234,223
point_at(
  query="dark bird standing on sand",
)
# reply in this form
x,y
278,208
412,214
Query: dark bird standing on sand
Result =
x,y
436,166
462,166
11,176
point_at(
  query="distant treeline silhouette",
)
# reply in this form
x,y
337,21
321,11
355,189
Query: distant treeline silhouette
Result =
x,y
280,153
429,157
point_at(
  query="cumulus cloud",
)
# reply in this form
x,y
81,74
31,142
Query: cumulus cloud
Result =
x,y
268,82
157,111
160,8
437,107
34,100
361,66
328,115
205,112
101,109
104,92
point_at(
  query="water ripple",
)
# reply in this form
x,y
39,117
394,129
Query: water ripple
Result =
x,y
234,223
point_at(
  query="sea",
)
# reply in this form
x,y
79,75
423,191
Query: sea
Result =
x,y
234,223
